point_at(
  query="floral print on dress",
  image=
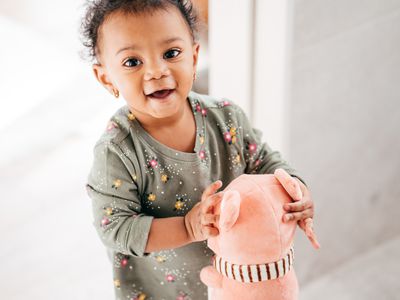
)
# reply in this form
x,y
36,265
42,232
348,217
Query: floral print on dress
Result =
x,y
170,278
223,103
151,197
140,296
161,258
105,221
116,183
154,167
236,159
164,178
230,135
117,283
182,296
202,154
152,163
197,108
251,153
230,131
201,139
182,204
111,125
149,200
174,275
251,147
179,204
164,256
108,211
121,261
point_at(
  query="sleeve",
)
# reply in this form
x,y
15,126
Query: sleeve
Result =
x,y
258,155
112,187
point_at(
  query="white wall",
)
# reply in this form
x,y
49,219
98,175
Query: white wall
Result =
x,y
271,69
249,42
230,50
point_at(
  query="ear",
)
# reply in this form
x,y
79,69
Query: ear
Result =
x,y
101,75
230,208
196,48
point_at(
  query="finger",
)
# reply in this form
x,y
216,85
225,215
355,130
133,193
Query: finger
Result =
x,y
209,203
303,188
211,189
290,184
208,219
297,216
209,231
298,206
306,225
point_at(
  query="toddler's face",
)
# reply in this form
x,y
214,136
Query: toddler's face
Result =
x,y
150,59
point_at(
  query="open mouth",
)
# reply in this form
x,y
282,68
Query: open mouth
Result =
x,y
161,94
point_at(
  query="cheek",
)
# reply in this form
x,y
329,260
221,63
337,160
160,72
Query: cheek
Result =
x,y
185,68
130,85
185,75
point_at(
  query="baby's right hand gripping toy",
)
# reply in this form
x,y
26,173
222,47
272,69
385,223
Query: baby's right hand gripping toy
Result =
x,y
254,248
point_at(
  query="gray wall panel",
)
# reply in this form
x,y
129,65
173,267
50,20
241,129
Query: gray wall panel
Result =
x,y
345,126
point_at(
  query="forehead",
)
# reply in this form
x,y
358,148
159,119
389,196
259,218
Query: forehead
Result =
x,y
122,29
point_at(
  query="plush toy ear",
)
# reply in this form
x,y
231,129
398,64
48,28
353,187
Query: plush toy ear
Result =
x,y
290,184
230,207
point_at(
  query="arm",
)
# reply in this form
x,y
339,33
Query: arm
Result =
x,y
160,236
117,212
118,216
197,225
259,157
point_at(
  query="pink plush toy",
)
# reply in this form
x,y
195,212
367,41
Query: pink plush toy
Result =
x,y
254,248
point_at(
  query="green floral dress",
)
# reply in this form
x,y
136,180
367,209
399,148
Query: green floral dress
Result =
x,y
134,178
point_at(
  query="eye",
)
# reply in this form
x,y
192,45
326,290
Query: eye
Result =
x,y
171,53
132,62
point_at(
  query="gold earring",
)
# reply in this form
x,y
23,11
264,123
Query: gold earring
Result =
x,y
116,93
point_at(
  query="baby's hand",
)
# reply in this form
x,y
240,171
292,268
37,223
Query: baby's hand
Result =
x,y
200,221
302,210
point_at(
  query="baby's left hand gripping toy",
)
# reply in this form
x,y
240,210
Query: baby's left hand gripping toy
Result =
x,y
254,249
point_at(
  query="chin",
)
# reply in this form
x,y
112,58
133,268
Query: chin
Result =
x,y
164,113
165,109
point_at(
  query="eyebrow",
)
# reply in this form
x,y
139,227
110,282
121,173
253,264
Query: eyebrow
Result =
x,y
133,47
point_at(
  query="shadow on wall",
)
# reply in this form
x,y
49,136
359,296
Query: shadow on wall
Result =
x,y
345,120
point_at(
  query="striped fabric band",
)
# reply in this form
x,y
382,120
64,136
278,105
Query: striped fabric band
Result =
x,y
255,273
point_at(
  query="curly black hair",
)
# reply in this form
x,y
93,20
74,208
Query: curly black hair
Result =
x,y
98,10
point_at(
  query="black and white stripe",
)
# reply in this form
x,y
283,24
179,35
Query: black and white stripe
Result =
x,y
255,273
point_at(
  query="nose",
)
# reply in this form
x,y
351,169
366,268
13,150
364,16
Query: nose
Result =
x,y
156,70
